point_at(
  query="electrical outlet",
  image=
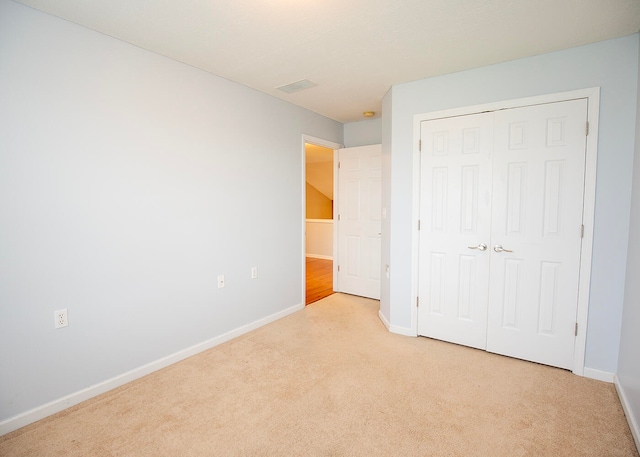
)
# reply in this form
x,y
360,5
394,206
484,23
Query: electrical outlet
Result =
x,y
220,281
61,318
254,272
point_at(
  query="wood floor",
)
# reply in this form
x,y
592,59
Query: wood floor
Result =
x,y
319,279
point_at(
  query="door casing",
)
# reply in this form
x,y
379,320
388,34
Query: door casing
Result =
x,y
593,102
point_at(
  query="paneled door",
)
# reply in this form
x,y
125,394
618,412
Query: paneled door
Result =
x,y
455,211
505,278
359,221
538,183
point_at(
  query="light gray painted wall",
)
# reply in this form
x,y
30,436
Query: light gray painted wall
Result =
x,y
385,255
128,182
629,362
612,65
363,133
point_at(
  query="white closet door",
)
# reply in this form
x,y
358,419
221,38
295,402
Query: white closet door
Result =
x,y
538,182
359,222
455,210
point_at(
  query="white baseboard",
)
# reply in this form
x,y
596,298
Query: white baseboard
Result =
x,y
402,331
628,412
598,375
319,256
394,328
384,320
63,403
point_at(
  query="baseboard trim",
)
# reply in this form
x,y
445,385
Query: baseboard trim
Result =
x,y
40,412
384,320
628,412
598,375
395,329
402,331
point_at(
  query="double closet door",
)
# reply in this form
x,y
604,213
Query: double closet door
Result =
x,y
501,203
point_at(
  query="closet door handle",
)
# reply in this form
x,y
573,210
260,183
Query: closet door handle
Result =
x,y
499,248
480,247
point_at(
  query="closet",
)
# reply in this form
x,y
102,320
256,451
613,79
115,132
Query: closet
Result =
x,y
501,214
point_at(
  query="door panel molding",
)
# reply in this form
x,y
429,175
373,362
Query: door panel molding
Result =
x,y
592,95
358,201
454,270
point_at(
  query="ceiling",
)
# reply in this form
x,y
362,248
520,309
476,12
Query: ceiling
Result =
x,y
354,50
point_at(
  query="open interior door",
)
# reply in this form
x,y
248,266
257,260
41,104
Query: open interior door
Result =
x,y
359,221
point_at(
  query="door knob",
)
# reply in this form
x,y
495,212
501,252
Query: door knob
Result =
x,y
499,248
480,247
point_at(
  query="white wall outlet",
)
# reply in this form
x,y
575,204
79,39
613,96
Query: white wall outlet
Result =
x,y
220,281
254,272
61,318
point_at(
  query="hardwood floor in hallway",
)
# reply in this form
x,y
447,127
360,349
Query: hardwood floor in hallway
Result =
x,y
319,279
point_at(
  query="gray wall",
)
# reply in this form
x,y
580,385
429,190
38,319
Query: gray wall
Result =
x,y
363,133
611,65
629,362
385,255
128,182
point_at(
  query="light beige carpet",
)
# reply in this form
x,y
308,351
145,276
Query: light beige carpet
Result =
x,y
330,380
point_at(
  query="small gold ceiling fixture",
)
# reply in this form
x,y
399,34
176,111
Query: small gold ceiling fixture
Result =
x,y
369,113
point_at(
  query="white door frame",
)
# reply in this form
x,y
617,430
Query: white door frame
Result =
x,y
331,145
593,108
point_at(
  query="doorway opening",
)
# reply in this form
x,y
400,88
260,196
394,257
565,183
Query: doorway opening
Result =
x,y
319,222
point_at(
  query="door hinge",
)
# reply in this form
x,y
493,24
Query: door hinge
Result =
x,y
587,129
338,165
338,268
420,145
418,224
417,302
582,231
338,217
576,331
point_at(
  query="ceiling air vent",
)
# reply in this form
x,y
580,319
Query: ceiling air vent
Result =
x,y
297,86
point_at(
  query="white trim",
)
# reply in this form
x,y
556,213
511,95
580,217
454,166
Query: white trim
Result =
x,y
336,201
415,233
402,331
55,406
395,329
384,320
320,221
593,99
318,256
321,142
506,104
588,219
628,411
598,375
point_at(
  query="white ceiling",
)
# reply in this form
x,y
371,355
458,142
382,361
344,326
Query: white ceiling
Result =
x,y
353,49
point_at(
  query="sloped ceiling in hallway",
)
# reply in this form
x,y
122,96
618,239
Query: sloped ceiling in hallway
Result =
x,y
319,167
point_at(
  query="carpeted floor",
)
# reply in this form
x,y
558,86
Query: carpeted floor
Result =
x,y
330,380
